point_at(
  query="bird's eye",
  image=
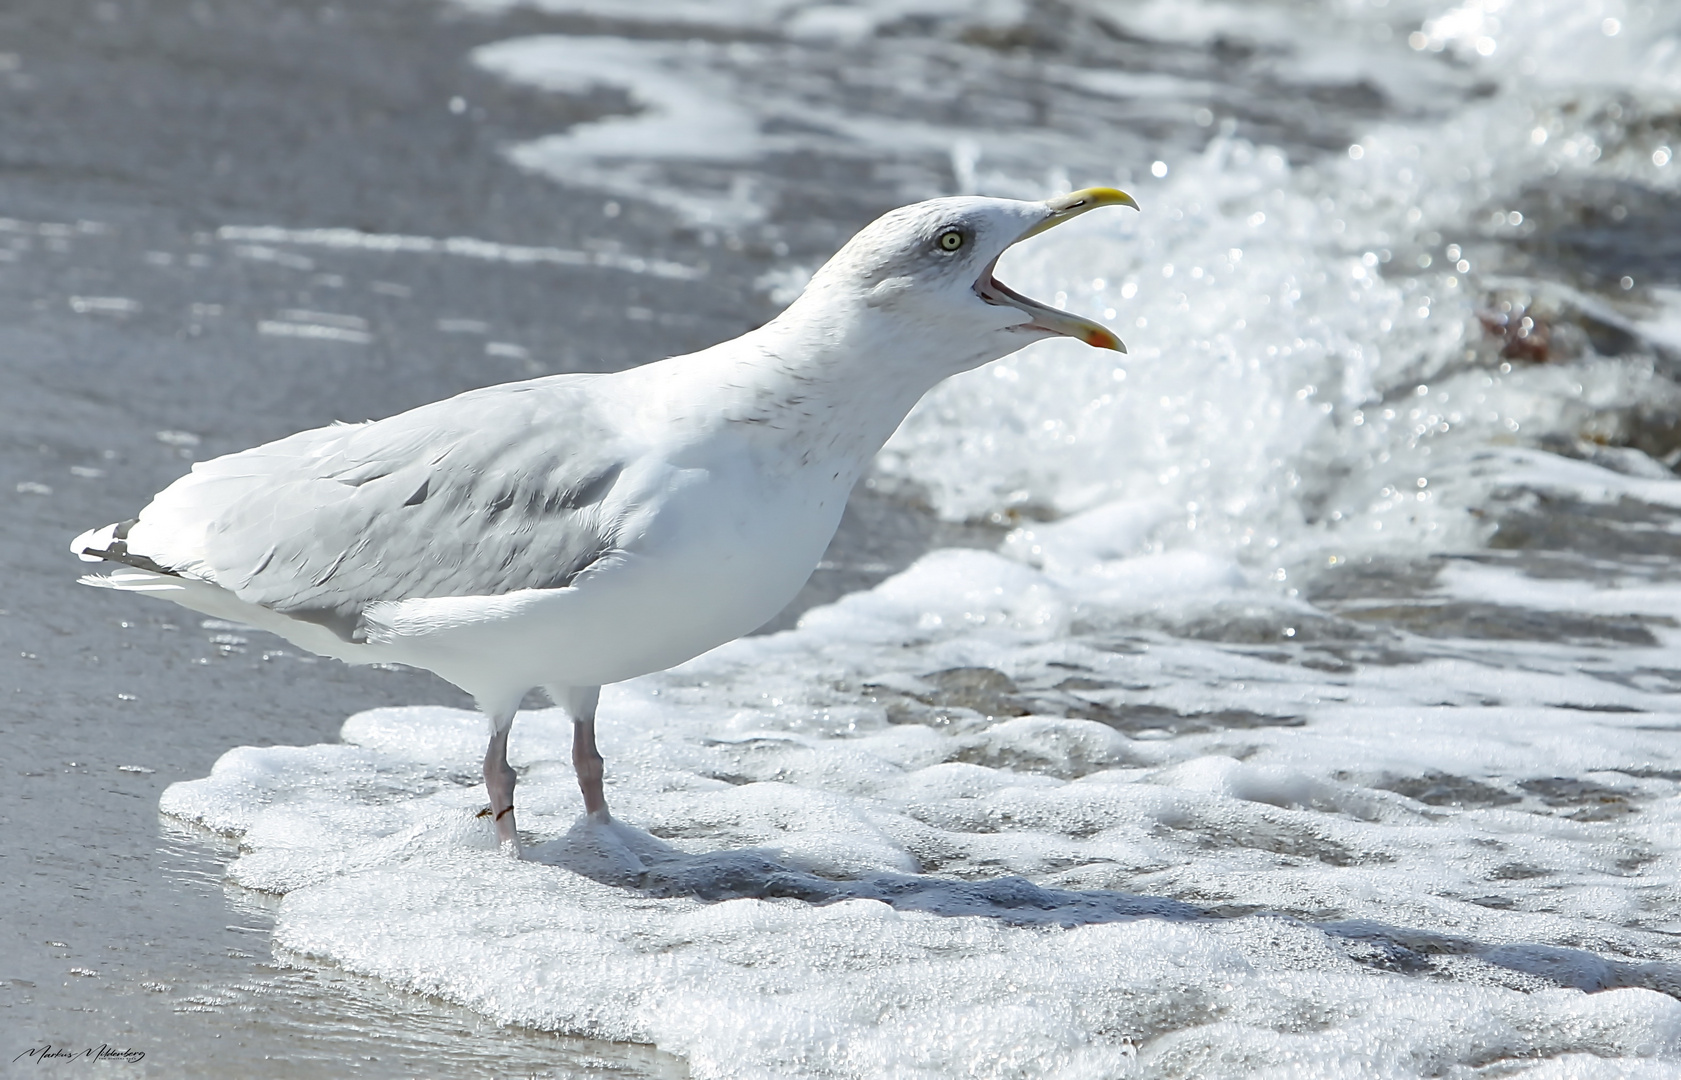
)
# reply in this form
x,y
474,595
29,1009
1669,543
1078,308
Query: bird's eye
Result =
x,y
950,240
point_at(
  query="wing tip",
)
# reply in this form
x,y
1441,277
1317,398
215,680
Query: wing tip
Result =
x,y
109,543
93,540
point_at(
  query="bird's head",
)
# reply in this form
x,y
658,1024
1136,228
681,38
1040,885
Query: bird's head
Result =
x,y
924,273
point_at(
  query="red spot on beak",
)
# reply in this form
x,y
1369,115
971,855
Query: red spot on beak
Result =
x,y
1103,339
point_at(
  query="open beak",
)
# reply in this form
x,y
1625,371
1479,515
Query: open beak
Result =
x,y
1043,316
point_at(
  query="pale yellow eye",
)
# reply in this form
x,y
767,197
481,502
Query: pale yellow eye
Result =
x,y
951,240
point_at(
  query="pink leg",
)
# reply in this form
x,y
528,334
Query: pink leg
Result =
x,y
580,701
499,780
587,760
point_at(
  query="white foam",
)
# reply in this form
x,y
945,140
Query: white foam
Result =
x,y
697,103
463,246
765,770
808,19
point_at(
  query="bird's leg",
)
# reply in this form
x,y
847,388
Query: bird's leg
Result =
x,y
499,780
587,760
580,701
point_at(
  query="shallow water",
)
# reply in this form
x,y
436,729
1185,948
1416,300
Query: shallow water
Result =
x,y
1303,699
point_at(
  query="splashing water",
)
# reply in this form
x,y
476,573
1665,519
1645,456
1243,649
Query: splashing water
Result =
x,y
1309,363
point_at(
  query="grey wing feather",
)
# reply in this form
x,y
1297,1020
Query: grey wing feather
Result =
x,y
486,493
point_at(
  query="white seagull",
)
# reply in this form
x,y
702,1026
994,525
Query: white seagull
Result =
x,y
577,530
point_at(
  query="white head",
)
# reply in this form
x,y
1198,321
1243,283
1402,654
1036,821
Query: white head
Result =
x,y
918,282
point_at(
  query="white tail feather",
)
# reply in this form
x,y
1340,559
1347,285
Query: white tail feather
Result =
x,y
133,580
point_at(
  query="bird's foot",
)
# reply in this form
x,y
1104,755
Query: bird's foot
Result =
x,y
507,837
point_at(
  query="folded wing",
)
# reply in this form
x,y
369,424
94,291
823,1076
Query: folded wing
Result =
x,y
487,493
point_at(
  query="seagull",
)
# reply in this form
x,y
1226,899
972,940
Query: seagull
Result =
x,y
576,530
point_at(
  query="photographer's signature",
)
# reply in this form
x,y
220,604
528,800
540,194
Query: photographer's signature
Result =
x,y
41,1055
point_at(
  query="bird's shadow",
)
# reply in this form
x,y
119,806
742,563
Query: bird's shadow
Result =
x,y
613,853
625,857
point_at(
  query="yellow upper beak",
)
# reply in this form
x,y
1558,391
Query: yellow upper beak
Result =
x,y
1075,203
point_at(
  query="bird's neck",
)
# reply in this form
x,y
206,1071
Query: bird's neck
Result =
x,y
826,385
